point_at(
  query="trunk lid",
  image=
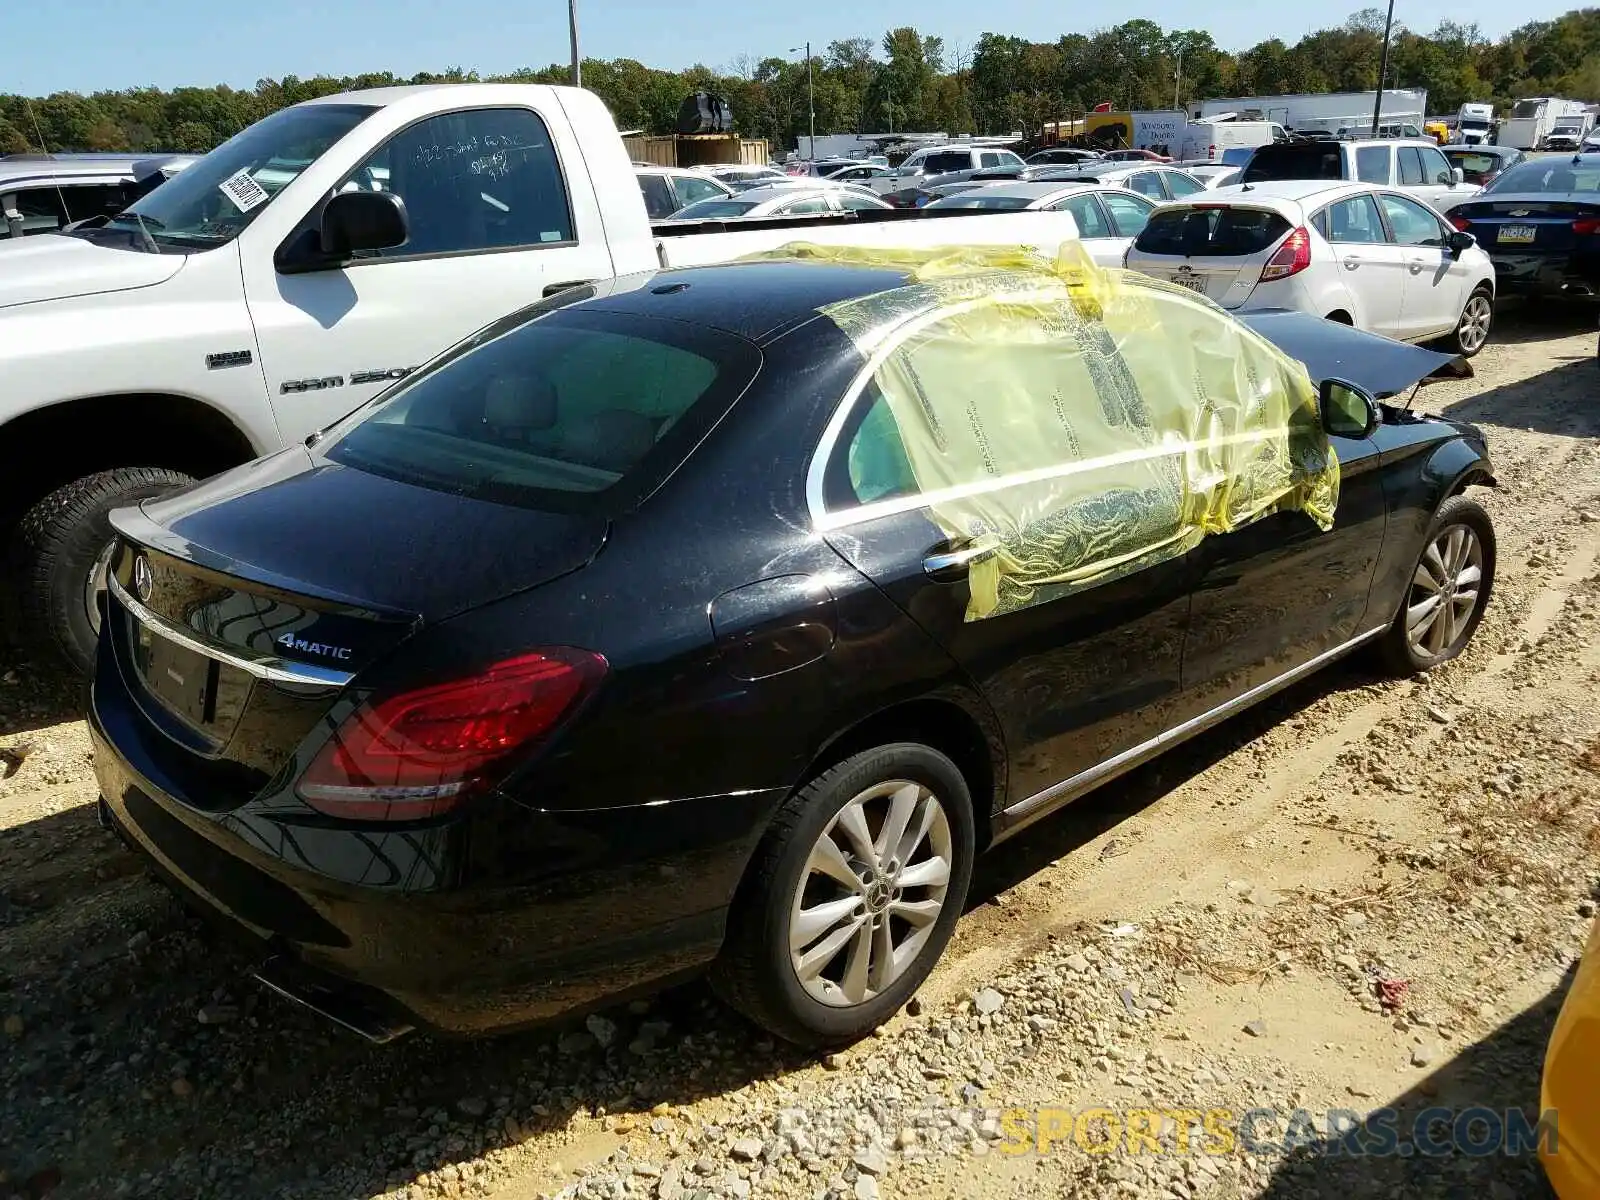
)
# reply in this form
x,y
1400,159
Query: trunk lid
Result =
x,y
1530,224
241,608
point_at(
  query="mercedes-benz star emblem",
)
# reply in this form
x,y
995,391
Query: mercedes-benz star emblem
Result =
x,y
144,579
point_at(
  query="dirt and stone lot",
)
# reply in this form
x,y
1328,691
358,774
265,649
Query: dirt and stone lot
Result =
x,y
1363,895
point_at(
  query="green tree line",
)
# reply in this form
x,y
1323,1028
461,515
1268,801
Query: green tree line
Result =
x,y
908,81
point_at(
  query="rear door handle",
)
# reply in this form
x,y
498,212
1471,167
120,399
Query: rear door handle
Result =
x,y
953,563
1417,264
1352,261
552,289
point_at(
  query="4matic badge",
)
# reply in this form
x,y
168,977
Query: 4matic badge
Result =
x,y
322,649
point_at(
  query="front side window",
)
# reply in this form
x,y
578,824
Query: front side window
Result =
x,y
712,210
1435,166
851,202
1413,225
1130,214
552,412
213,201
481,179
1372,164
1182,184
812,204
1352,220
692,190
988,159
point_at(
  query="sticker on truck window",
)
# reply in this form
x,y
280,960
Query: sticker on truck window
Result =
x,y
242,191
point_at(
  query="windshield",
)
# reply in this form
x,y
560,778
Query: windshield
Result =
x,y
721,206
1473,123
212,201
554,412
1548,175
976,199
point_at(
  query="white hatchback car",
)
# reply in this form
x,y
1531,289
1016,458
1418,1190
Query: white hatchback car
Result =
x,y
1108,218
1372,257
811,196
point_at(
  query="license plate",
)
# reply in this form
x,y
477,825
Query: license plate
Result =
x,y
1517,233
1195,283
180,678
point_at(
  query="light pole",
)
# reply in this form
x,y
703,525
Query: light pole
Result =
x,y
1177,87
811,101
1383,70
572,25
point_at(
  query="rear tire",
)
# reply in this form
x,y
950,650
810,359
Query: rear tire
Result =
x,y
57,549
1449,588
820,873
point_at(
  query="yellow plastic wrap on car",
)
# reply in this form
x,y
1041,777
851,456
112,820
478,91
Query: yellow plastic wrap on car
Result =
x,y
1067,423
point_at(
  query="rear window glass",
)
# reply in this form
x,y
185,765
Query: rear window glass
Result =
x,y
1548,175
976,199
709,209
1211,232
1475,165
1315,160
950,160
554,412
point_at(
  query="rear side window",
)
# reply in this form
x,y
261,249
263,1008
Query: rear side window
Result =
x,y
1129,213
1182,185
1147,183
1211,232
658,198
1372,164
1352,220
1410,167
691,191
1086,215
553,412
1310,160
948,160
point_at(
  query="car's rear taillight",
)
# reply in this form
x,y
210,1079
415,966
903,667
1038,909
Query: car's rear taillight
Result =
x,y
421,753
1292,257
1461,223
1586,225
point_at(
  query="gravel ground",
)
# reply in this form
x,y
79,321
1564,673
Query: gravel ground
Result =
x,y
1363,895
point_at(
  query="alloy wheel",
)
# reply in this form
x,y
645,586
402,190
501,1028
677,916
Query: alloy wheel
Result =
x,y
870,893
1476,317
1445,592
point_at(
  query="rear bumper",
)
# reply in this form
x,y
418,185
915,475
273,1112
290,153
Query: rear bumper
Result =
x,y
1543,275
508,918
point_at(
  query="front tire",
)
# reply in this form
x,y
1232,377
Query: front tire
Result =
x,y
1472,330
851,897
1449,589
59,554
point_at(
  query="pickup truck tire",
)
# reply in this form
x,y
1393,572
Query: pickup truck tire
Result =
x,y
57,544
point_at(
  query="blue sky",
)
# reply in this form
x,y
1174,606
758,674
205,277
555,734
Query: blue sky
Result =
x,y
84,45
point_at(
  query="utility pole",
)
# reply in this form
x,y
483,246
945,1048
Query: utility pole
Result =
x,y
572,25
811,102
1383,70
1177,88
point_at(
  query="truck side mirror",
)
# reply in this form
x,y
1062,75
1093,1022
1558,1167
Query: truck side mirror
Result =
x,y
356,221
1457,176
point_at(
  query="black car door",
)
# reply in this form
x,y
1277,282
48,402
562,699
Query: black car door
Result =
x,y
1280,592
1076,676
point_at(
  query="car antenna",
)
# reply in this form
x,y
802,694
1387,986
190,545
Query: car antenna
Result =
x,y
66,217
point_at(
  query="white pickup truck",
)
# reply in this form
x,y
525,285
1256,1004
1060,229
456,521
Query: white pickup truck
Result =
x,y
294,272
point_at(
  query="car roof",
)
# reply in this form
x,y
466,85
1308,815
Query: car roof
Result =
x,y
1033,191
1298,191
653,169
753,300
47,168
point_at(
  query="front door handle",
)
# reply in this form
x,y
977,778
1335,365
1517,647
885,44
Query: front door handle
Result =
x,y
1417,264
947,564
1352,261
552,289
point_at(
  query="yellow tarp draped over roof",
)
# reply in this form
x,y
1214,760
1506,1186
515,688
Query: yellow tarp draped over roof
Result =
x,y
1070,423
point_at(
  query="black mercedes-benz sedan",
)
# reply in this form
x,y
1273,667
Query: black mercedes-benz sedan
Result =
x,y
716,620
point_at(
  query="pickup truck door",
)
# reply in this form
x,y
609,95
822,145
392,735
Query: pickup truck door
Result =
x,y
496,223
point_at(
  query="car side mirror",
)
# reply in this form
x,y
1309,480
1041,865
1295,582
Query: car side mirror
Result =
x,y
1457,175
357,221
1460,242
1347,411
